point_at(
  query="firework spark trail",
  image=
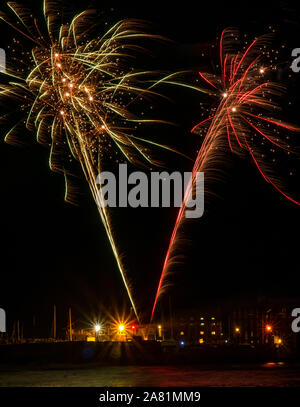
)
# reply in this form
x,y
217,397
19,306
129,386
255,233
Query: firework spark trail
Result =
x,y
238,123
74,91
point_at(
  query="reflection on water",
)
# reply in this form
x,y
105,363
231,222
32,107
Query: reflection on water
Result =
x,y
269,374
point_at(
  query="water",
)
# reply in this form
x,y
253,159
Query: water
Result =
x,y
270,374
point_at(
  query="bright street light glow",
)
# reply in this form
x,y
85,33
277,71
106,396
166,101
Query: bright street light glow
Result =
x,y
97,327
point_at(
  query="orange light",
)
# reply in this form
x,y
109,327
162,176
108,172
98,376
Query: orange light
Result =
x,y
269,328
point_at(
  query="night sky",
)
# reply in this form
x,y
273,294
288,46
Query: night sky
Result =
x,y
245,246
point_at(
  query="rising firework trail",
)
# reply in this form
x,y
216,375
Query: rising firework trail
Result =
x,y
242,123
75,91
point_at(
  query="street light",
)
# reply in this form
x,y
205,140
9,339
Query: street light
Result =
x,y
97,328
269,328
121,328
237,330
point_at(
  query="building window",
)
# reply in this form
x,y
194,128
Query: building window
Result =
x,y
181,333
201,332
213,332
201,340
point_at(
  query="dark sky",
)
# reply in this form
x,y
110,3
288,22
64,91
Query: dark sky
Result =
x,y
245,245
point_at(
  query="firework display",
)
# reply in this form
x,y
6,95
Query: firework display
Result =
x,y
75,92
243,123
